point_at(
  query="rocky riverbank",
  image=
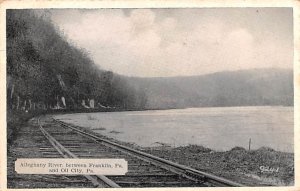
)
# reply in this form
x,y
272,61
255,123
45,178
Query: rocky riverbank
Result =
x,y
261,167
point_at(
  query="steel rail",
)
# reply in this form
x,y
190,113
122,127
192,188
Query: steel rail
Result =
x,y
68,154
214,180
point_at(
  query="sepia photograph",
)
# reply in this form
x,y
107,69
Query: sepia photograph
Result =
x,y
150,97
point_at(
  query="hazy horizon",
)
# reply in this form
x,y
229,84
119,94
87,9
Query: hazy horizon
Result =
x,y
181,42
212,73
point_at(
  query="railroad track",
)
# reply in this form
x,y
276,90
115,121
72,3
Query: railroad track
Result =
x,y
144,170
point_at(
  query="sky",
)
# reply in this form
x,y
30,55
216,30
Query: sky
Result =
x,y
180,42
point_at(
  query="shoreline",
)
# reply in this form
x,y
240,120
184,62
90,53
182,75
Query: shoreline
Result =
x,y
16,118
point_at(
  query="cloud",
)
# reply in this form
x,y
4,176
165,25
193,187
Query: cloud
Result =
x,y
144,43
141,20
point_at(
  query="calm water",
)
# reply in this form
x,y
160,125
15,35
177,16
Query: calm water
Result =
x,y
216,128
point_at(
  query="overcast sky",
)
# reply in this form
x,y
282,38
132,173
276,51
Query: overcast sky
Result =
x,y
174,42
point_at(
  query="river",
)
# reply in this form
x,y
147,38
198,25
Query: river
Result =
x,y
218,128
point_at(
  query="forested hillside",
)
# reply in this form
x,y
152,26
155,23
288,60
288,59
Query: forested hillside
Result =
x,y
237,88
45,71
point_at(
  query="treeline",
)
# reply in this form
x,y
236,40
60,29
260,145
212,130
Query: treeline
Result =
x,y
45,71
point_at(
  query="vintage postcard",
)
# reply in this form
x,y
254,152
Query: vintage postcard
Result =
x,y
150,94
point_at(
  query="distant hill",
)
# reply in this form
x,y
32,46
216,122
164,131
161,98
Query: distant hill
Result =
x,y
236,88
